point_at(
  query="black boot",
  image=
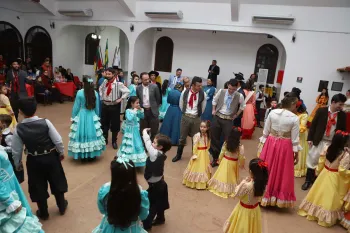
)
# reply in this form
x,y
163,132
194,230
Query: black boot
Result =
x,y
114,140
61,203
178,156
42,211
310,177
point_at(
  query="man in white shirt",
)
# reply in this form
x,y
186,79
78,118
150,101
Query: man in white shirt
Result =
x,y
150,100
112,93
192,104
228,104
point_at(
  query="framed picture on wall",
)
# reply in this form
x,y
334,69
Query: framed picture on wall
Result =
x,y
322,84
337,86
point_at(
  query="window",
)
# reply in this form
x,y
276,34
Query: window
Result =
x,y
11,42
266,58
91,45
164,54
38,45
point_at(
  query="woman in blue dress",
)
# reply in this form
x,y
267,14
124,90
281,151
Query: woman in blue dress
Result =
x,y
122,201
132,147
15,213
210,90
165,105
134,83
172,119
86,140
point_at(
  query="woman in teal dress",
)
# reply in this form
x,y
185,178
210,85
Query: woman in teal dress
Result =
x,y
134,84
210,91
132,147
122,201
165,105
15,213
86,140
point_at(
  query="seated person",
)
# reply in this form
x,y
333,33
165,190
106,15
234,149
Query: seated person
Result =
x,y
46,83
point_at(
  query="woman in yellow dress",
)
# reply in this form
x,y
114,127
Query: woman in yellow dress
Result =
x,y
345,221
246,216
5,106
226,177
324,201
321,101
300,168
198,170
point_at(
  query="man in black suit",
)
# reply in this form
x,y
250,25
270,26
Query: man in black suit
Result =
x,y
16,80
213,71
323,127
239,77
150,100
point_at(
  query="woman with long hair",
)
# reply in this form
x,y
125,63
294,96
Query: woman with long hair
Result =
x,y
122,201
321,101
165,105
324,202
280,151
172,119
210,90
248,119
134,83
86,139
132,147
246,217
5,106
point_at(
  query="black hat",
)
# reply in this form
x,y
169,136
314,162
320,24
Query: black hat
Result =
x,y
239,76
153,72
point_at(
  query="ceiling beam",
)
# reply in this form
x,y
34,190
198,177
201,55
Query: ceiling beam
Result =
x,y
235,10
130,6
49,5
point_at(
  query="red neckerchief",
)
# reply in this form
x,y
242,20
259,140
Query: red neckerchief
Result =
x,y
15,81
193,98
331,121
109,86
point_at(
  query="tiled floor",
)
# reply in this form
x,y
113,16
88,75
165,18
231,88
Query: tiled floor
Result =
x,y
191,211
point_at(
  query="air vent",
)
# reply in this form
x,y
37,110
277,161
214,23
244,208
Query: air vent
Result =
x,y
77,13
273,20
165,15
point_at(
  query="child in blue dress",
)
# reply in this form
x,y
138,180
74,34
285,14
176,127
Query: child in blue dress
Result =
x,y
132,147
134,83
122,201
15,212
210,91
165,105
86,139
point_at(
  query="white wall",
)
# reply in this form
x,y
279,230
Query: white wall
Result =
x,y
124,51
235,52
144,52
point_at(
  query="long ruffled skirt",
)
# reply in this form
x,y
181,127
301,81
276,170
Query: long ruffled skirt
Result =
x,y
248,122
86,138
300,168
278,153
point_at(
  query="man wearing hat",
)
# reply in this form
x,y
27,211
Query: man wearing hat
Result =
x,y
152,76
240,78
16,80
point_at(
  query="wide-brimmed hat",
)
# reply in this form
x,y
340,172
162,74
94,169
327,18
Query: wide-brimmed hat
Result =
x,y
239,76
153,72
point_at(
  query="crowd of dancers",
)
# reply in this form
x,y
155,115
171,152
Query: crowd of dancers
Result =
x,y
287,148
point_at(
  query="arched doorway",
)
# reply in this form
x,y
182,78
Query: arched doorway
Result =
x,y
267,58
11,42
164,54
91,44
38,45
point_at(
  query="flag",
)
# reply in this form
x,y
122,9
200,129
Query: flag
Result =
x,y
97,60
106,55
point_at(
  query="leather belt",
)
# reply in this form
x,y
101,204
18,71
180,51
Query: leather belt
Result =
x,y
191,116
36,153
223,116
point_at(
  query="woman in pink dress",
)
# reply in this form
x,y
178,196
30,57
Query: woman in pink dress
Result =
x,y
280,151
248,119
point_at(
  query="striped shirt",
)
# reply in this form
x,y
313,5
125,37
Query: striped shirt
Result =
x,y
118,91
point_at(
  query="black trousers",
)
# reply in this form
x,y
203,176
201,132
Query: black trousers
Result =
x,y
158,198
43,170
60,202
238,121
220,127
14,104
257,116
149,121
110,119
19,174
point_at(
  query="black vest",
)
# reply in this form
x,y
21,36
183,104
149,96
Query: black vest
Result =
x,y
35,136
3,139
200,100
155,168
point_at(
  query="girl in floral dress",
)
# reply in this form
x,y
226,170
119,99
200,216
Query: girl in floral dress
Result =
x,y
198,170
226,177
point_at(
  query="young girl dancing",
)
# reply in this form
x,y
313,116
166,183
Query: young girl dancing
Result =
x,y
225,179
122,201
300,168
246,216
324,201
5,106
86,139
198,170
132,147
165,105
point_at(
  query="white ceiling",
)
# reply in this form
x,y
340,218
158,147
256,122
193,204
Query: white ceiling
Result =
x,y
22,6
